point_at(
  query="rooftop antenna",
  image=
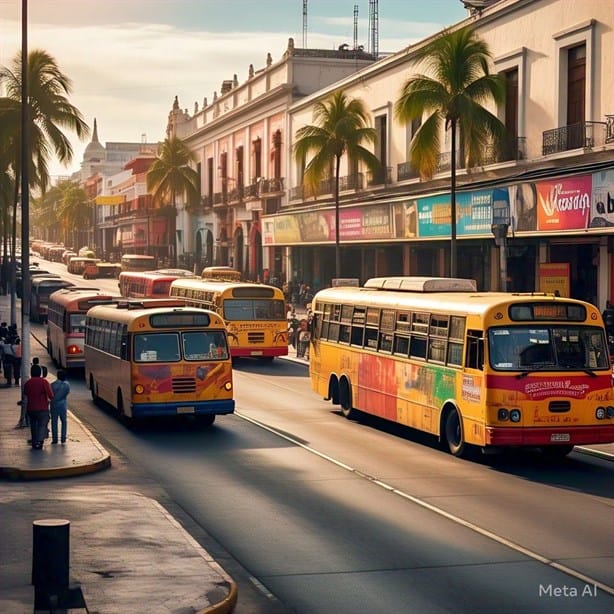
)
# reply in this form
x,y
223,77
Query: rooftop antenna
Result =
x,y
373,28
355,27
304,24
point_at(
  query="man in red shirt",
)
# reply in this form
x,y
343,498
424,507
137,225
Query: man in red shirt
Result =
x,y
38,394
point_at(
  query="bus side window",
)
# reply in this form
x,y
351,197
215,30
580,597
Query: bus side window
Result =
x,y
475,350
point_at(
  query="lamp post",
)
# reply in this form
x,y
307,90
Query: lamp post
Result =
x,y
499,231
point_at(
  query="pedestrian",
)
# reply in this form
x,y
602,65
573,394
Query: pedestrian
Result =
x,y
7,361
36,361
16,349
37,392
4,330
59,406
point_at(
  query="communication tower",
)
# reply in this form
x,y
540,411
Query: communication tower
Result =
x,y
373,28
304,24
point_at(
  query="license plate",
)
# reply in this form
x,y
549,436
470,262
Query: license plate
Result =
x,y
185,410
257,353
560,437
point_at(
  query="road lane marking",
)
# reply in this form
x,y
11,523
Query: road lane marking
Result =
x,y
437,510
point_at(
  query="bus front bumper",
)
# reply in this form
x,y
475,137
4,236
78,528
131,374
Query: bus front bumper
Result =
x,y
543,436
198,408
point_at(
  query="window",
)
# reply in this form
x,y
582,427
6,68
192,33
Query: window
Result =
x,y
475,350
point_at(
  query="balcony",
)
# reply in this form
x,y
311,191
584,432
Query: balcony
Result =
x,y
382,176
583,135
272,186
406,171
510,149
235,195
609,129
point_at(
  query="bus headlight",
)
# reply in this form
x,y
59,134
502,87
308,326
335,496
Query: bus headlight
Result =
x,y
503,415
610,411
228,386
515,415
600,413
139,389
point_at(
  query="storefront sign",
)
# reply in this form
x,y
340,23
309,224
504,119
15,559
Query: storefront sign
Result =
x,y
602,205
554,277
564,204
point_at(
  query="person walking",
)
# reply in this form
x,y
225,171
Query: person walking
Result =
x,y
59,406
7,361
37,393
16,350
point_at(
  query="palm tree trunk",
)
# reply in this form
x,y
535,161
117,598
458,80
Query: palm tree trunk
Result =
x,y
453,202
337,246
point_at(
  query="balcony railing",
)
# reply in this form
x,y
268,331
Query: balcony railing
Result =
x,y
406,171
272,186
511,148
382,176
351,182
609,129
575,136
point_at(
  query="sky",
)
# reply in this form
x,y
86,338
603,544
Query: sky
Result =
x,y
128,59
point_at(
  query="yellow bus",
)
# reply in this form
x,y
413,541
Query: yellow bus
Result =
x,y
138,262
66,323
476,369
222,273
254,314
152,358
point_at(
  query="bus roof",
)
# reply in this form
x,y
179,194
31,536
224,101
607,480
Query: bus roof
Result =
x,y
220,285
223,273
453,302
126,315
76,295
422,284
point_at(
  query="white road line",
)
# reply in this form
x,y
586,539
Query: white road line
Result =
x,y
437,510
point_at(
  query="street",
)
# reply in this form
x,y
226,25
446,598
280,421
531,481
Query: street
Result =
x,y
310,512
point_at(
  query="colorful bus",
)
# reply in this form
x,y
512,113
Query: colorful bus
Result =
x,y
156,358
66,324
41,289
476,369
138,262
255,314
149,284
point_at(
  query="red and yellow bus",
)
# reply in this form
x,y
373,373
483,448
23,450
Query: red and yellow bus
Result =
x,y
254,314
66,324
476,369
158,358
149,284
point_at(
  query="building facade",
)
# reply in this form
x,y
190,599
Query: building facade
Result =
x,y
242,145
551,187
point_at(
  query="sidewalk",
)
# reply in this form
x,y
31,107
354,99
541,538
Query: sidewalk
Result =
x,y
127,553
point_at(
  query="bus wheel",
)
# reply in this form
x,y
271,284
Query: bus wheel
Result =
x,y
93,391
453,434
121,412
206,420
345,400
556,452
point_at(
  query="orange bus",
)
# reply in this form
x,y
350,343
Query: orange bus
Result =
x,y
138,262
255,314
155,358
479,370
149,284
66,324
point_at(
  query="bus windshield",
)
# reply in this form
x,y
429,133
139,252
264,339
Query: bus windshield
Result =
x,y
254,309
165,347
515,348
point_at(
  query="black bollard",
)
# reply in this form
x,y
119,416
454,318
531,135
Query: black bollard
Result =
x,y
51,565
51,555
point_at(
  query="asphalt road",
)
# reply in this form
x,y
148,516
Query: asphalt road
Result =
x,y
326,514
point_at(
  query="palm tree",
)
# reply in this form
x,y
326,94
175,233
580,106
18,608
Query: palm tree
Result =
x,y
459,61
49,112
74,213
171,175
341,127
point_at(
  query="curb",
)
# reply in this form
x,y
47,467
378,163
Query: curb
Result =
x,y
102,462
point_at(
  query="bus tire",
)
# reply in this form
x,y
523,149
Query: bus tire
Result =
x,y
453,434
121,412
206,420
93,391
556,452
345,399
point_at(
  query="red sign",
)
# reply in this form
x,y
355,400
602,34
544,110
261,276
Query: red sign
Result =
x,y
564,204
